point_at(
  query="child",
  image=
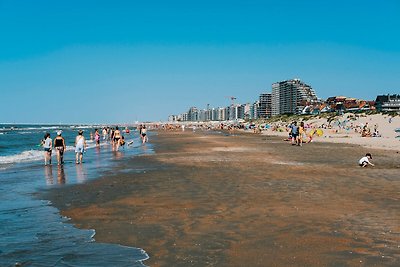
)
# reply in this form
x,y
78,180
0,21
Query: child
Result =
x,y
364,161
122,142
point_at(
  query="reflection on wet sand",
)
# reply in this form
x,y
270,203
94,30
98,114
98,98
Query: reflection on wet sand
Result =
x,y
60,174
118,154
80,173
48,174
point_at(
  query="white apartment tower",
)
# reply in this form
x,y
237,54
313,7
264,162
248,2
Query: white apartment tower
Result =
x,y
291,97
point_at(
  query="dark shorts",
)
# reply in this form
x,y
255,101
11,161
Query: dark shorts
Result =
x,y
143,134
295,135
48,150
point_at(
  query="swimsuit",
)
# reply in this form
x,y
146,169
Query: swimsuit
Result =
x,y
58,144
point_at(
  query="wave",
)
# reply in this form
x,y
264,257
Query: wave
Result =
x,y
25,156
30,155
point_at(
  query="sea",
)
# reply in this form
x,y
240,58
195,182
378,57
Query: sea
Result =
x,y
32,231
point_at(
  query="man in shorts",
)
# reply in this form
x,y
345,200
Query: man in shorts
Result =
x,y
294,129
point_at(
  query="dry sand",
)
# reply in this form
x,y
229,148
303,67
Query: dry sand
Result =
x,y
387,140
206,199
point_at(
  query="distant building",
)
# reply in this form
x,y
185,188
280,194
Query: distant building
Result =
x,y
222,114
172,118
349,104
202,115
388,103
291,97
244,111
193,114
265,105
184,116
253,113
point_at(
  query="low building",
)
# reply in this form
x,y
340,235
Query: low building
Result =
x,y
388,103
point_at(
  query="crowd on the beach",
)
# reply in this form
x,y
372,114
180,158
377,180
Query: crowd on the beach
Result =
x,y
297,133
335,128
109,134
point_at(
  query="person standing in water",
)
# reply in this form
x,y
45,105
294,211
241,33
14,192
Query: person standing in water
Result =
x,y
47,144
144,134
80,145
97,137
59,146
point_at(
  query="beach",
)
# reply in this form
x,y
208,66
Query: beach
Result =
x,y
33,233
347,128
207,198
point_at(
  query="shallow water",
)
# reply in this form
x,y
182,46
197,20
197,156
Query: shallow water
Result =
x,y
32,231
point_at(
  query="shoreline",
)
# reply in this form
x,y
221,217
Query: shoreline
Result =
x,y
207,199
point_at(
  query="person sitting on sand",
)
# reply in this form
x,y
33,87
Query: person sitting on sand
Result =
x,y
366,132
364,161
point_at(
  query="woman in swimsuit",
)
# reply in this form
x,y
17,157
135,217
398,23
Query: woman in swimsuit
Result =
x,y
59,146
144,134
117,137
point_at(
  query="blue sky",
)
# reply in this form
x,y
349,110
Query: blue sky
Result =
x,y
122,61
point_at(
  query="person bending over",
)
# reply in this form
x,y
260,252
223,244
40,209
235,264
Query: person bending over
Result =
x,y
364,161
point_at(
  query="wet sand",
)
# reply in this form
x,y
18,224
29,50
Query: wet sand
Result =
x,y
206,199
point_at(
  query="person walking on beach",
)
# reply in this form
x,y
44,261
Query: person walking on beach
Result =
x,y
144,134
104,134
80,145
301,133
59,146
117,138
47,144
364,161
294,129
112,136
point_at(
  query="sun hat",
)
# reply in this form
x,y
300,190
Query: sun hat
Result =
x,y
59,132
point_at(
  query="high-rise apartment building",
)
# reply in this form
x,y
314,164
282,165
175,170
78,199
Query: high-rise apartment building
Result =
x,y
265,105
291,97
193,114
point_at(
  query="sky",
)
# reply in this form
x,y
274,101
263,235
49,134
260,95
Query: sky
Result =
x,y
127,61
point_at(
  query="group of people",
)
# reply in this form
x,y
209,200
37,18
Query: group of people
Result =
x,y
297,132
60,147
114,135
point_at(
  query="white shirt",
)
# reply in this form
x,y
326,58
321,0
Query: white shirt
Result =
x,y
47,143
363,159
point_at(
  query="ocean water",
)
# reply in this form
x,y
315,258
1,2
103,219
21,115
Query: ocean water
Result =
x,y
32,231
